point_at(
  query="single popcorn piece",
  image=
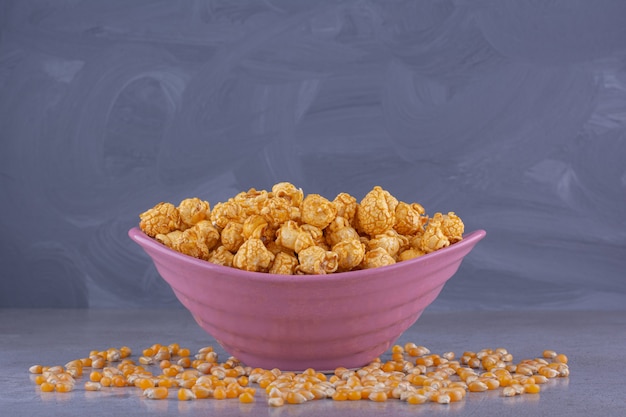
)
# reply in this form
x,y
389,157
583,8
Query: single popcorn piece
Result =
x,y
410,253
290,236
221,256
225,212
452,227
316,260
288,192
252,201
253,256
410,218
232,236
377,212
161,219
171,240
376,258
390,241
346,206
197,241
254,226
284,264
277,211
350,254
433,238
317,234
317,211
193,210
339,230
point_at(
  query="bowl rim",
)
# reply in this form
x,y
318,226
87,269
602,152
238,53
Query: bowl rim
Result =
x,y
145,241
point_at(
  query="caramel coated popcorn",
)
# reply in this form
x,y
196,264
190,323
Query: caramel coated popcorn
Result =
x,y
284,231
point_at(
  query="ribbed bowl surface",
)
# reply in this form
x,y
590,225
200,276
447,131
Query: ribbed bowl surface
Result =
x,y
306,321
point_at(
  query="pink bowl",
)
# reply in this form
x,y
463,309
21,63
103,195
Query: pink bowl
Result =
x,y
306,321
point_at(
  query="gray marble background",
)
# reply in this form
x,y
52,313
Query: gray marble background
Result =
x,y
510,113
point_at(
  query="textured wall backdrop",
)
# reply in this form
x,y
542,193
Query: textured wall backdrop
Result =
x,y
511,113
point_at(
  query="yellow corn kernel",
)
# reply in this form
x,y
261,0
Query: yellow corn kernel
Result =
x,y
118,381
201,391
340,395
456,394
294,398
232,392
416,399
35,369
492,383
246,398
105,381
92,386
167,382
146,360
477,386
95,376
98,362
275,402
156,393
47,387
378,396
125,352
532,388
144,383
549,354
548,372
64,387
441,398
185,362
40,379
355,394
561,358
509,391
219,393
185,394
474,363
170,371
148,352
113,355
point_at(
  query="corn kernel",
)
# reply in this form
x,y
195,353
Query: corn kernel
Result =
x,y
64,387
561,358
275,402
105,381
35,369
156,393
509,392
246,397
532,389
219,393
46,387
185,394
92,386
477,386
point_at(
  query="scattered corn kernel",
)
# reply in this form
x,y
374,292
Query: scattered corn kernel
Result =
x,y
532,388
413,375
35,369
156,393
186,394
92,386
246,397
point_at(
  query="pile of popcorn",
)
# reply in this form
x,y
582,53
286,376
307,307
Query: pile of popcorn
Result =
x,y
285,232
